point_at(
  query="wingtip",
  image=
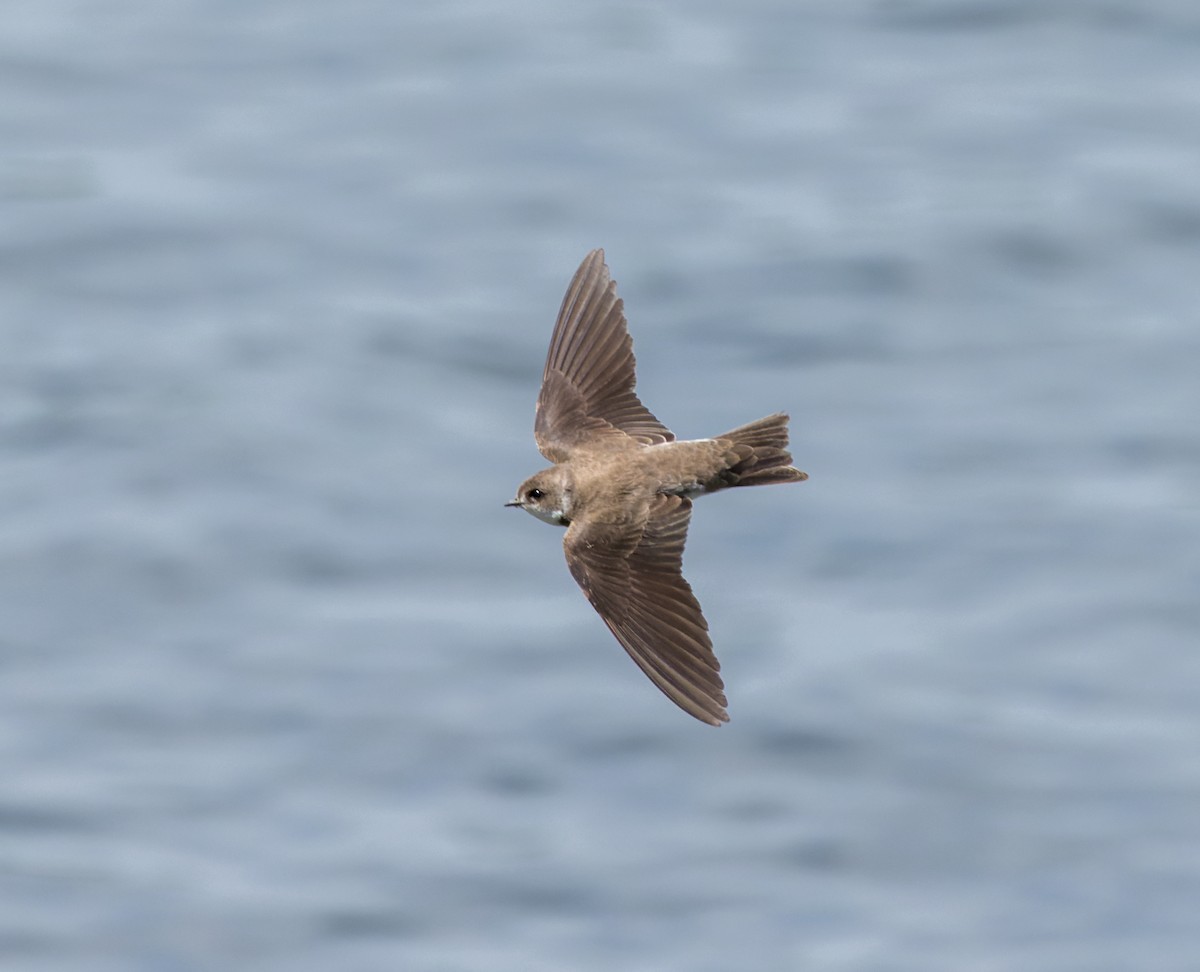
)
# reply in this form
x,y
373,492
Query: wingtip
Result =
x,y
594,258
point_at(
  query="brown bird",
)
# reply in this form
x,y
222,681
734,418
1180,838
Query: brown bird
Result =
x,y
623,487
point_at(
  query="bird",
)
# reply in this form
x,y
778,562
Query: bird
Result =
x,y
622,485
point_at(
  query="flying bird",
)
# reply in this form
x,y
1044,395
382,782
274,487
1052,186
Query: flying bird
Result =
x,y
623,486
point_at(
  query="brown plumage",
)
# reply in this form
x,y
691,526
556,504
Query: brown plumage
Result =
x,y
623,487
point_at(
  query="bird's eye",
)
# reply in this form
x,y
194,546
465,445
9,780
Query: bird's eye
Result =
x,y
535,494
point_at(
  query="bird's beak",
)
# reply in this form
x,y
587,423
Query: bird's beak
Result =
x,y
513,503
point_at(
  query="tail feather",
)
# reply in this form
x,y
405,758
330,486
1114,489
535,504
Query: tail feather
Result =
x,y
758,454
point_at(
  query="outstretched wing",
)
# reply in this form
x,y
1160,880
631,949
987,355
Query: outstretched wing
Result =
x,y
633,579
587,386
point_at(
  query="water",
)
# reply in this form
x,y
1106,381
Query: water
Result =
x,y
283,686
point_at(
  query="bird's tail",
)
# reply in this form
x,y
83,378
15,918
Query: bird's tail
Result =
x,y
758,454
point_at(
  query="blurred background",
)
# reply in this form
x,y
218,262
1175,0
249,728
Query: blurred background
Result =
x,y
284,687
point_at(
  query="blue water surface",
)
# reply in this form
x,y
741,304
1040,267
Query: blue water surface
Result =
x,y
284,687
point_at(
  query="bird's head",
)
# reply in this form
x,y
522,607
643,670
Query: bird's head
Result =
x,y
547,495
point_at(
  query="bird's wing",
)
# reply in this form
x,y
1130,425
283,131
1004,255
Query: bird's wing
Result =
x,y
587,386
633,578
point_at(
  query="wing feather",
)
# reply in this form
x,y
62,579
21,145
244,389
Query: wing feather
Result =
x,y
633,578
587,396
